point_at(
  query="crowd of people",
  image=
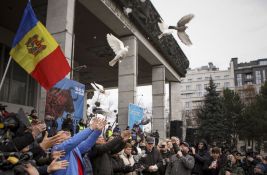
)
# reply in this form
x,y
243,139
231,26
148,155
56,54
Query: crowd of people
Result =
x,y
31,146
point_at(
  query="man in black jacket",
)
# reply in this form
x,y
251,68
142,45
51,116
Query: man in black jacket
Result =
x,y
201,155
152,159
100,154
166,155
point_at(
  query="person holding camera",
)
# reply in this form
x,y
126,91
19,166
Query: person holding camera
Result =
x,y
166,155
232,167
181,163
201,155
127,157
215,163
152,159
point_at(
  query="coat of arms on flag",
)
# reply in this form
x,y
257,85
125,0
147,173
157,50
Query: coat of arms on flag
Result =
x,y
37,52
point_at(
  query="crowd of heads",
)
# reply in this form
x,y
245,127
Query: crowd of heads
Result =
x,y
29,145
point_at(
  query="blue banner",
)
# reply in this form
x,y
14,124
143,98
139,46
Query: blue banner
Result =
x,y
135,115
66,97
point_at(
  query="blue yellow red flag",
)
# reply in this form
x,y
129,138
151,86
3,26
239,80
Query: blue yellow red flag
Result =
x,y
37,52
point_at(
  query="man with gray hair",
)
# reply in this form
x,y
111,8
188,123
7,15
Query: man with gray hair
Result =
x,y
151,160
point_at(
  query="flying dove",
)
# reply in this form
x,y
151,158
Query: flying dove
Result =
x,y
117,47
181,27
127,10
145,121
98,87
164,29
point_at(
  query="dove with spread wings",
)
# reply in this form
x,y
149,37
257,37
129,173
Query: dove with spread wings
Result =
x,y
180,27
98,87
118,48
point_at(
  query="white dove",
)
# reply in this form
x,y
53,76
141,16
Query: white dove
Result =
x,y
181,27
98,87
143,1
118,47
127,10
164,29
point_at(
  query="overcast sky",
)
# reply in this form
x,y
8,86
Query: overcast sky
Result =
x,y
221,29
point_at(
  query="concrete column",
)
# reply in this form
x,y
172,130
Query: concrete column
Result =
x,y
174,100
127,80
59,22
158,100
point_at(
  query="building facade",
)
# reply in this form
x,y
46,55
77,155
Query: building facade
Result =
x,y
249,77
192,89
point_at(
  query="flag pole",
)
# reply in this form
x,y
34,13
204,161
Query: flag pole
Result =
x,y
4,76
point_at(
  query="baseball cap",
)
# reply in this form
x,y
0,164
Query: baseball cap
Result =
x,y
185,144
150,140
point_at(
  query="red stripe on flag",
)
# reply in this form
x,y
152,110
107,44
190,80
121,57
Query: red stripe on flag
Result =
x,y
51,69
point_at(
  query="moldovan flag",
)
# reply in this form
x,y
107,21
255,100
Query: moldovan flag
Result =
x,y
36,51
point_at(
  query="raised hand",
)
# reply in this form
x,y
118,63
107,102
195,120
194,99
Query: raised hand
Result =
x,y
179,154
48,142
57,154
37,129
193,150
97,123
57,165
101,124
93,123
126,134
31,170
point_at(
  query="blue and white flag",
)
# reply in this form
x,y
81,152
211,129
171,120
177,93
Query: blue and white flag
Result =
x,y
135,115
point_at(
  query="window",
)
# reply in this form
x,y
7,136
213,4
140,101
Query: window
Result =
x,y
189,80
188,95
18,87
207,78
217,77
226,84
258,77
206,85
263,75
226,76
199,78
188,87
187,104
239,79
217,84
198,87
248,76
187,112
263,62
199,94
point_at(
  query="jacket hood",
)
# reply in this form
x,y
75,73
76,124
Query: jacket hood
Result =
x,y
205,144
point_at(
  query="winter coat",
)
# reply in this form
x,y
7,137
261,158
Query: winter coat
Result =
x,y
215,171
128,160
180,165
100,156
118,166
166,158
151,158
78,144
201,157
235,169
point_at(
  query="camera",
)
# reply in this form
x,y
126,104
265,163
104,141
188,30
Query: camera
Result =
x,y
11,159
10,122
